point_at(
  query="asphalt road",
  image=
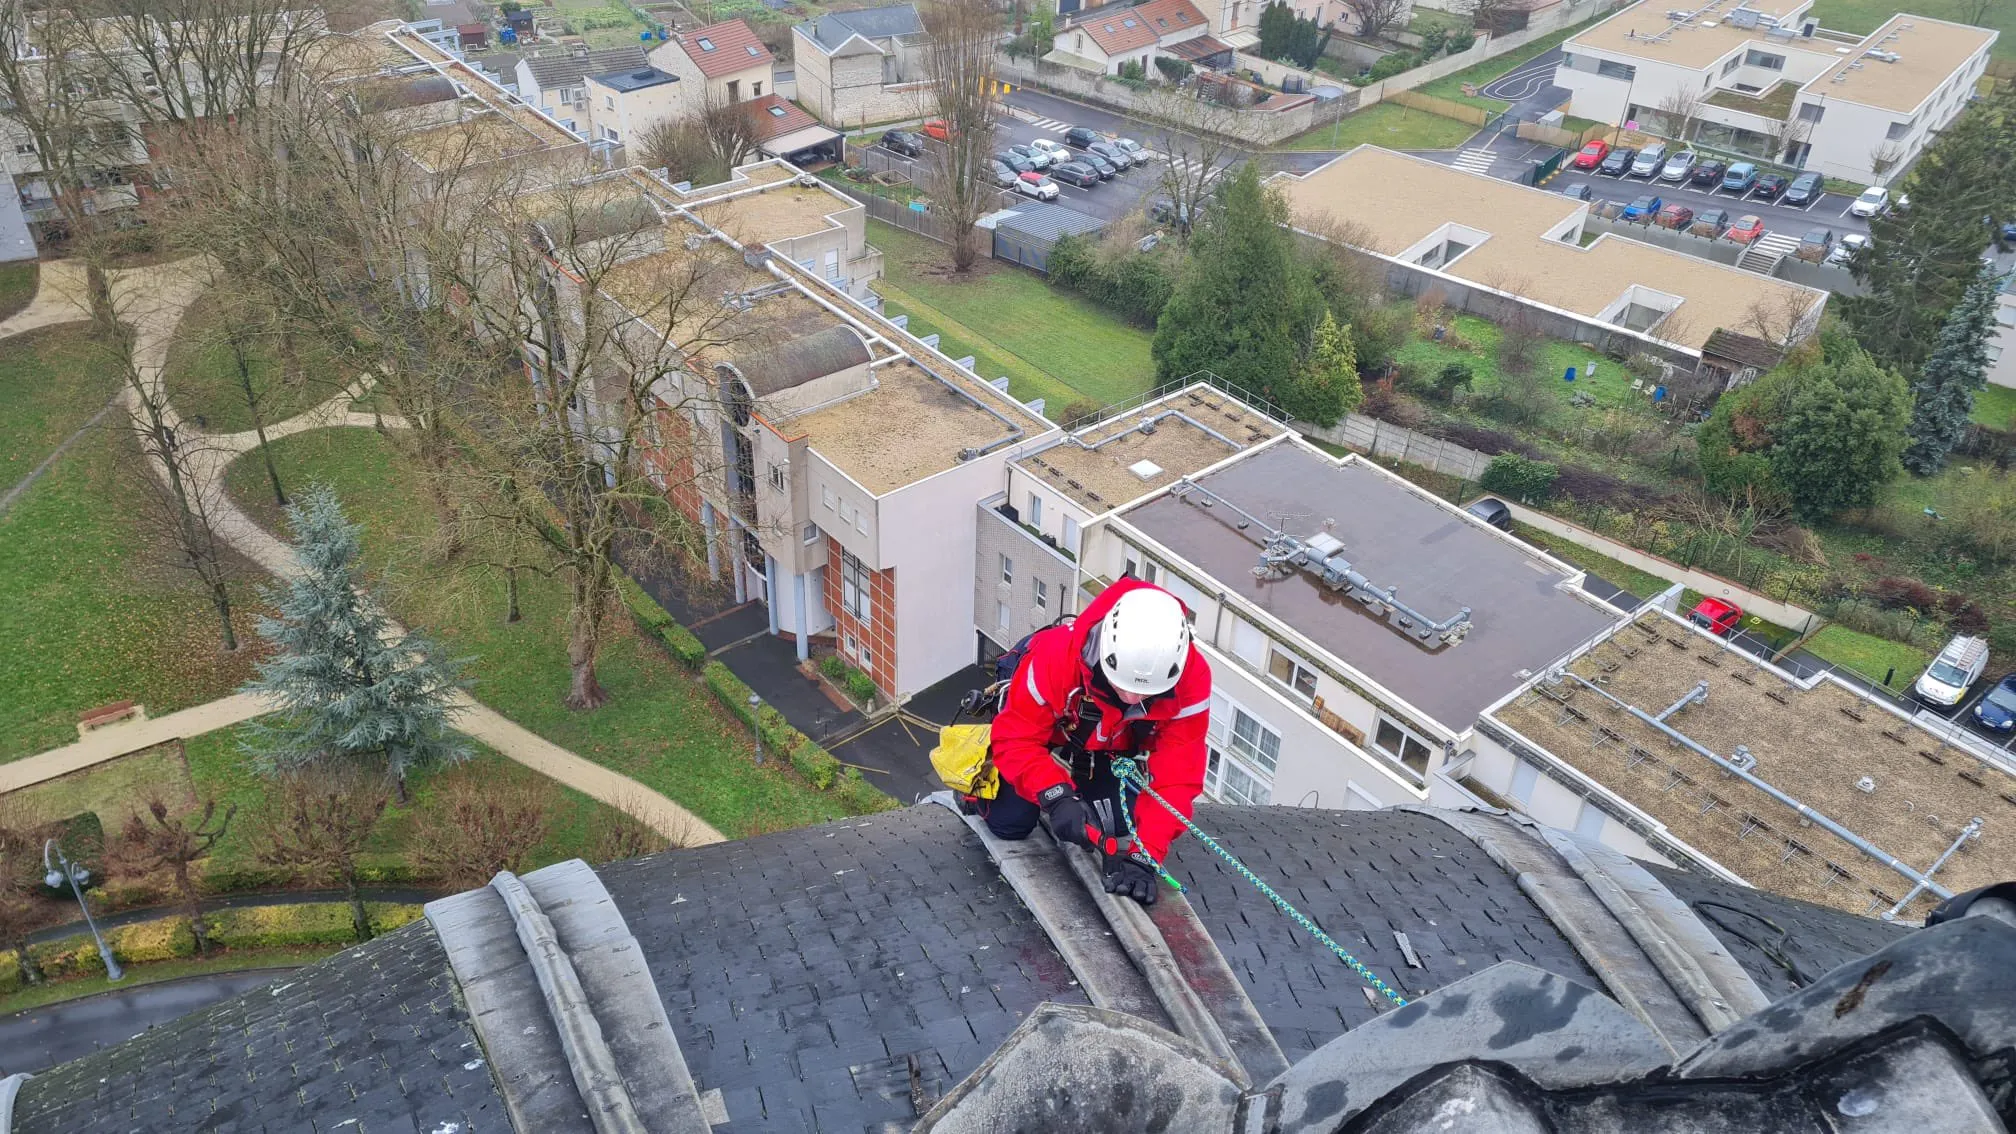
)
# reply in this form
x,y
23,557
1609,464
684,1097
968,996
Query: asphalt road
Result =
x,y
1830,211
43,1037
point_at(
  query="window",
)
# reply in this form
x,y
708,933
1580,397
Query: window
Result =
x,y
1292,673
848,646
1898,130
1589,824
1035,510
1001,615
611,135
855,597
1811,112
811,533
1764,59
1610,70
1139,568
756,91
775,111
867,655
833,265
1042,594
777,475
705,43
1254,741
1402,744
734,90
1524,776
1071,535
24,147
826,497
608,102
1007,570
573,94
849,514
1735,61
1227,781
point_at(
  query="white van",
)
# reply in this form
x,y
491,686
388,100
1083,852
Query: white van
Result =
x,y
1958,666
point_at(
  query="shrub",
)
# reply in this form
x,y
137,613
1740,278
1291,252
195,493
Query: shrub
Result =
x,y
1173,69
685,648
168,938
1894,593
1132,71
859,796
1455,376
729,690
815,763
1433,41
1462,41
1391,65
1519,478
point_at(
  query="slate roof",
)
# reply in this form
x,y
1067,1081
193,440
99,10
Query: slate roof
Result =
x,y
1741,349
375,1034
559,70
735,48
831,30
1771,935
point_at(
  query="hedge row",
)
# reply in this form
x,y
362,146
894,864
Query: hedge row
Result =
x,y
680,642
168,938
776,733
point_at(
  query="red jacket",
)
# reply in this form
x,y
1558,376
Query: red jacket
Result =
x,y
1052,688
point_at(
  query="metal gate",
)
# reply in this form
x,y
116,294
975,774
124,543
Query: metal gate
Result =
x,y
1546,168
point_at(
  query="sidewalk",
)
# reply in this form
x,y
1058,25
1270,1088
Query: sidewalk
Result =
x,y
114,741
61,296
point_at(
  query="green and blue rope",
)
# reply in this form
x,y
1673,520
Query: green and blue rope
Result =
x,y
1132,776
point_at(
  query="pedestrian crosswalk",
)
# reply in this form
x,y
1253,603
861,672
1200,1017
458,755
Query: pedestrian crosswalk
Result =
x,y
1475,161
1183,170
1050,124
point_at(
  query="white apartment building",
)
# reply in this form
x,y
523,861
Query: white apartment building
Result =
x,y
1762,78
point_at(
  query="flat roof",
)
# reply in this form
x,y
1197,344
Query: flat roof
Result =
x,y
1525,613
635,79
1928,51
908,426
777,213
1394,201
1644,31
1188,432
484,136
1813,744
658,286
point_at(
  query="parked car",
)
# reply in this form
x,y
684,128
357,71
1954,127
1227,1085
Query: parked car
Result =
x,y
1679,166
1708,173
1164,211
1873,200
1099,164
1643,209
1075,173
903,142
1058,151
1675,217
1845,249
1579,191
1137,152
1492,511
1036,185
1590,156
1959,665
1078,137
1015,161
1004,178
1770,186
1710,222
1816,244
1996,710
1618,163
936,128
1740,178
1804,190
1719,618
1041,159
2008,234
1112,153
1649,161
1746,229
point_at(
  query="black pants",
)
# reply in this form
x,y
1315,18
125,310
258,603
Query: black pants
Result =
x,y
1012,817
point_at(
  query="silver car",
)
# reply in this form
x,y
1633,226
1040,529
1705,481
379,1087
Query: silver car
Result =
x,y
1041,159
1678,166
1649,160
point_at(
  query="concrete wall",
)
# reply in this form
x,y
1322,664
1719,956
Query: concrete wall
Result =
x,y
629,114
928,532
1033,561
847,90
1549,794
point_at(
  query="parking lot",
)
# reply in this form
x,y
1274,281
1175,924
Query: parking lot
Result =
x,y
1829,210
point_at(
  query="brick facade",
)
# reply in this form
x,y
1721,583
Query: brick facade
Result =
x,y
877,632
670,462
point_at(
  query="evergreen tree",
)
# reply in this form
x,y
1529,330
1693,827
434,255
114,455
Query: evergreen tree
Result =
x,y
1246,302
346,686
1841,433
1328,387
1277,29
1944,393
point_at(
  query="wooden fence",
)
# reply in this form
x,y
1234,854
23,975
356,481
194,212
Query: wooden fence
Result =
x,y
1446,108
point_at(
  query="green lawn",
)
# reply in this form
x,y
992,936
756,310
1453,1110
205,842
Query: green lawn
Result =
x,y
660,727
17,287
202,374
1077,345
1864,16
91,609
1870,656
1611,386
1995,407
1386,124
1481,75
1641,583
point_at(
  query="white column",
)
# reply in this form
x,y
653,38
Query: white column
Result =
x,y
804,620
770,588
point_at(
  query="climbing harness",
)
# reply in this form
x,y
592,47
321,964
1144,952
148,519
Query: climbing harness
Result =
x,y
1129,773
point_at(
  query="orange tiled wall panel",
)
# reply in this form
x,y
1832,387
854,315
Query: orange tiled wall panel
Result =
x,y
878,633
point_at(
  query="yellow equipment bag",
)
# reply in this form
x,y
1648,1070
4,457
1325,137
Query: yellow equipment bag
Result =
x,y
964,761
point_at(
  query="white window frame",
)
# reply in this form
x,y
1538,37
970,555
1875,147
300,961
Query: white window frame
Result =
x,y
811,532
1070,541
1001,620
1298,671
1400,757
1525,777
826,497
779,476
857,594
1035,511
1141,567
1041,590
1007,570
1231,775
832,265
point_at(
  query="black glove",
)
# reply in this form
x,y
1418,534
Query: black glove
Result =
x,y
1132,875
1069,816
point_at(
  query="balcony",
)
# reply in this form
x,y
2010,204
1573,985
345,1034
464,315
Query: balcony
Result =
x,y
1774,103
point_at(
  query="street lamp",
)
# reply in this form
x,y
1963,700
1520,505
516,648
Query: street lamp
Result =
x,y
63,870
756,721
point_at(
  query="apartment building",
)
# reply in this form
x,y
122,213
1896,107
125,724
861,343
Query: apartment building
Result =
x,y
556,83
862,67
1762,78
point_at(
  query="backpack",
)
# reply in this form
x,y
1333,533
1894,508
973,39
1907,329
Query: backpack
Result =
x,y
1011,660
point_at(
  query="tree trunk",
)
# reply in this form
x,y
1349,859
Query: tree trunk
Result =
x,y
584,641
25,964
220,598
360,920
198,928
511,612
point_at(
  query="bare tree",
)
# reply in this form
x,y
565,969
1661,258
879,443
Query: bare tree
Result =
x,y
1493,17
479,826
1884,156
625,836
316,822
731,129
1371,18
960,61
60,101
1782,318
175,843
1680,108
20,874
1195,148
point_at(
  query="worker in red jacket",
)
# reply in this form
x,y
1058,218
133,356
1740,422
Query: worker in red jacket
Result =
x,y
1122,679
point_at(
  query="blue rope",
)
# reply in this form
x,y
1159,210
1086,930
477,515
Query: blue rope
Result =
x,y
1132,776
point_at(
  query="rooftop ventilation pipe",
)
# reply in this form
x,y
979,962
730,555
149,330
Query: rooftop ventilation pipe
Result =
x,y
1742,770
1148,426
1698,693
1321,555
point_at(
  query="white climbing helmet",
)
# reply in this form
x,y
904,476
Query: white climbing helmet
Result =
x,y
1144,641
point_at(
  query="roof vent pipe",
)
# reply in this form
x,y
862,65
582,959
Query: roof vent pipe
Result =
x,y
1698,693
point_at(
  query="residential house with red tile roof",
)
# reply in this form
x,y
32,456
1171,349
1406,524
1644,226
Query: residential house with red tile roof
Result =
x,y
722,63
1107,38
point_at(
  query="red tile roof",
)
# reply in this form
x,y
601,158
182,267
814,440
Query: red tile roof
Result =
x,y
724,48
765,121
1126,29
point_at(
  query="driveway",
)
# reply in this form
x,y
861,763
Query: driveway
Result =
x,y
43,1037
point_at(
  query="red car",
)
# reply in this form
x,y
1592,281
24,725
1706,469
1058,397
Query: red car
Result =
x,y
1592,155
936,128
1717,617
1745,230
1675,217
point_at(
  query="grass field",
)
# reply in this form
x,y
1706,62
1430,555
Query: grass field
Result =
x,y
91,609
1611,386
1386,124
1864,16
1868,655
1481,75
1995,407
1073,343
203,382
660,727
17,287
1641,583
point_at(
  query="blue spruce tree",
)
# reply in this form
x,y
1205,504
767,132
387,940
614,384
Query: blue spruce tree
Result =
x,y
349,687
1943,396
